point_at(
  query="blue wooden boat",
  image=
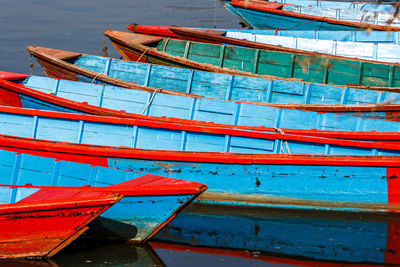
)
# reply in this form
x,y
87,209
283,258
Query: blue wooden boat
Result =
x,y
345,36
296,17
149,202
179,81
370,51
335,179
307,236
64,95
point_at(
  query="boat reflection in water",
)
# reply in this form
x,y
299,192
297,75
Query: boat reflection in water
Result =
x,y
90,253
202,235
283,236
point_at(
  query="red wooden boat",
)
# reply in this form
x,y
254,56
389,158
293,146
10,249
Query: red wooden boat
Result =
x,y
39,222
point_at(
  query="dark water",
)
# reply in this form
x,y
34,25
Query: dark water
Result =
x,y
234,238
77,25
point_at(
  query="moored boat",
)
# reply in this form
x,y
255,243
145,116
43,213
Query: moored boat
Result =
x,y
204,111
370,51
162,80
38,222
260,14
353,183
149,201
69,96
325,69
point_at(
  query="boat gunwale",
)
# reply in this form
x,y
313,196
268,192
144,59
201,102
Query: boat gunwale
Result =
x,y
29,145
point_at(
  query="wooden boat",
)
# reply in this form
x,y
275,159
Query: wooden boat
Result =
x,y
38,222
345,36
254,62
370,51
295,17
354,183
251,117
149,201
312,236
245,91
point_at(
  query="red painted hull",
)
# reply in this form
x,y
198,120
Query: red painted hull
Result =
x,y
45,222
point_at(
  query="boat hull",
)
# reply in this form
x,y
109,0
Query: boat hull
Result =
x,y
346,183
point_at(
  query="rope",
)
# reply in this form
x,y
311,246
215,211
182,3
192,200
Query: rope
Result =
x,y
105,48
31,64
165,45
279,130
95,77
158,90
145,51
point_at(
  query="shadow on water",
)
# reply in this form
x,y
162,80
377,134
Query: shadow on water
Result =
x,y
283,236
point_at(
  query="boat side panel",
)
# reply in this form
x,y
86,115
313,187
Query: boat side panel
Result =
x,y
147,137
331,183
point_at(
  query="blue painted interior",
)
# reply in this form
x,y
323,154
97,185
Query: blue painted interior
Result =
x,y
218,111
346,36
11,195
136,136
383,52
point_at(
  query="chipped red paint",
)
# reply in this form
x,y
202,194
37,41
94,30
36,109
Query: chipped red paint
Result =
x,y
393,181
145,185
45,222
270,7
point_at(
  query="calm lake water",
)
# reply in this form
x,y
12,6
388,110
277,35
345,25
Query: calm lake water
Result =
x,y
77,25
228,237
